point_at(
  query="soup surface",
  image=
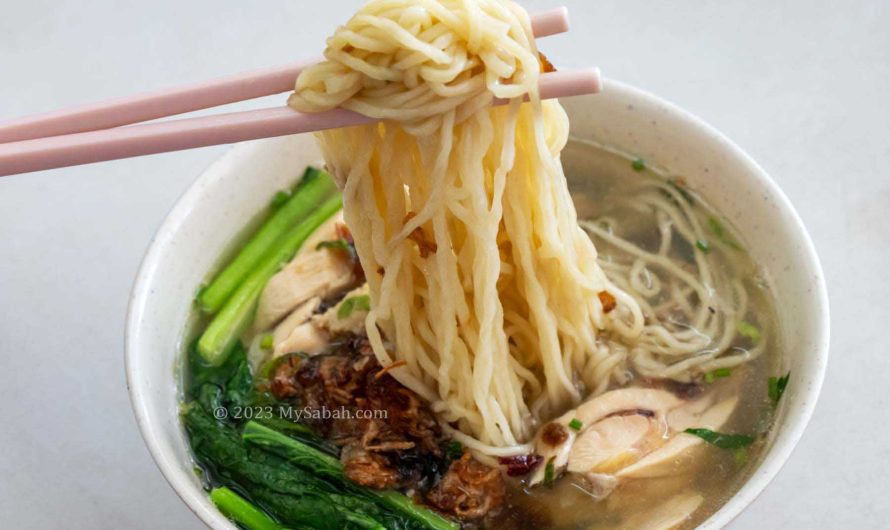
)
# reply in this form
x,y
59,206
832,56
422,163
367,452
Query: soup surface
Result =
x,y
607,185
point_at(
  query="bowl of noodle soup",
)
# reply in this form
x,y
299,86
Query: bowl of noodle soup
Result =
x,y
624,145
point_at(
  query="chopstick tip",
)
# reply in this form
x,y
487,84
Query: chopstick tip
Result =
x,y
551,22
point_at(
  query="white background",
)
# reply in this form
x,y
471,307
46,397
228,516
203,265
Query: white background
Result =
x,y
802,85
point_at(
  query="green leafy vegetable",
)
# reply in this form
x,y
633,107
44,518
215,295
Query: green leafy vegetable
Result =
x,y
241,511
638,164
703,245
299,497
721,440
777,388
315,186
354,303
237,313
330,468
722,234
716,374
749,330
576,424
224,386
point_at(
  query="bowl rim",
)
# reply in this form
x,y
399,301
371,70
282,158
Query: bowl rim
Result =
x,y
793,425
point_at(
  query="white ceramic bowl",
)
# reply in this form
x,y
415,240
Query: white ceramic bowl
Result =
x,y
216,207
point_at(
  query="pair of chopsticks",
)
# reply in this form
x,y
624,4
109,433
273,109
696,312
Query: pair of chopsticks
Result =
x,y
106,131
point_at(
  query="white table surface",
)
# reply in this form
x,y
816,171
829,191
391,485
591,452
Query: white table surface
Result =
x,y
803,86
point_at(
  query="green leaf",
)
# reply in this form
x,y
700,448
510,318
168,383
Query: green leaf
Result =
x,y
716,374
721,440
749,330
777,388
239,387
354,303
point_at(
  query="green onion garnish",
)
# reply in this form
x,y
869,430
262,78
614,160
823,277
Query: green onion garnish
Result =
x,y
721,440
335,244
267,342
576,424
638,164
549,472
703,245
722,234
749,330
716,374
777,388
360,303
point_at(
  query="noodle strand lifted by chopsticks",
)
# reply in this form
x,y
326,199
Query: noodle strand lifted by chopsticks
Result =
x,y
481,279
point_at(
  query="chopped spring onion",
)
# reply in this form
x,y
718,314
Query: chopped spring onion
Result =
x,y
549,472
703,245
353,303
777,388
722,234
746,329
267,342
638,164
576,424
335,244
721,440
716,374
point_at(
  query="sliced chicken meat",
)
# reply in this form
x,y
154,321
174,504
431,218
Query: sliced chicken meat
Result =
x,y
649,403
297,333
631,433
311,273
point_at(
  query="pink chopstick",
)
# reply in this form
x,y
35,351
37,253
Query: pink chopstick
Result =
x,y
197,96
175,135
94,133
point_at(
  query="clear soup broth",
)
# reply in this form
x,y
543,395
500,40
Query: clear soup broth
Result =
x,y
608,185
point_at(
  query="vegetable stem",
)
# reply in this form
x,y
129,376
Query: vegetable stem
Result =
x,y
242,512
236,314
312,189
